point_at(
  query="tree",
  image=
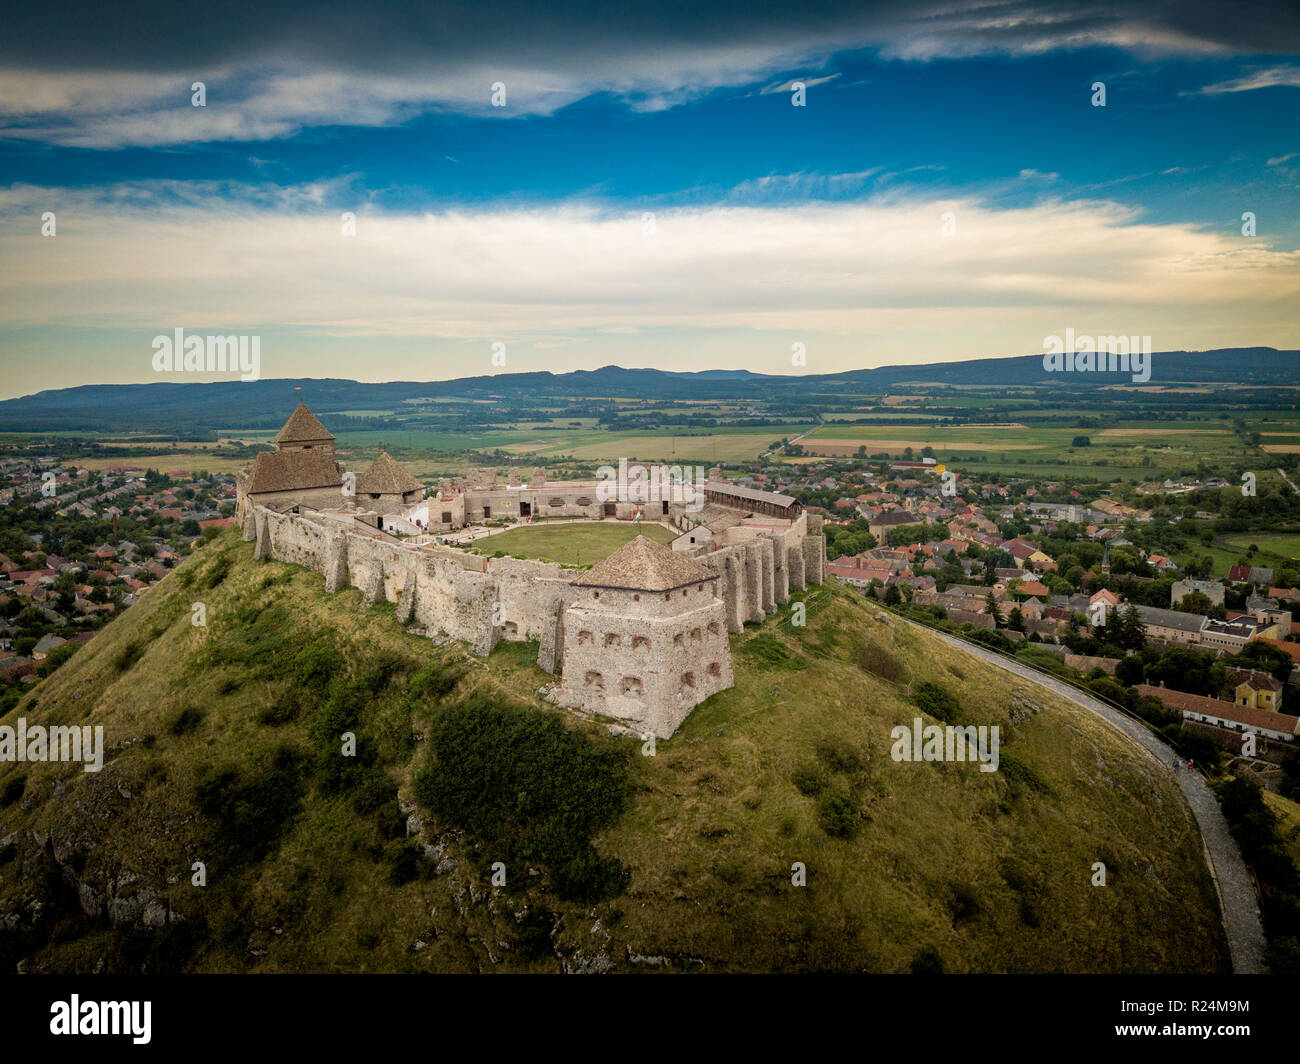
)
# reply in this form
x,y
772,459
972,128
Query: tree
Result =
x,y
1016,622
991,607
1128,632
1081,441
1129,671
892,595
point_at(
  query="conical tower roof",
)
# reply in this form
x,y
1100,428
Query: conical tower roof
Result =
x,y
302,427
387,476
644,565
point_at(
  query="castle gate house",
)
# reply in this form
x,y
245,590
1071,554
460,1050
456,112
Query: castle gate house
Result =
x,y
645,639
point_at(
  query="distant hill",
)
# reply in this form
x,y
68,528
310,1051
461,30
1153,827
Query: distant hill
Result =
x,y
178,407
223,747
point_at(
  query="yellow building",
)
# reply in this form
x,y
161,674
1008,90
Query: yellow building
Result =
x,y
1259,691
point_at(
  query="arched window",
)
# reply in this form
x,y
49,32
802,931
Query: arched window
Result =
x,y
632,685
696,635
688,679
679,640
613,639
713,628
584,637
593,679
715,668
640,641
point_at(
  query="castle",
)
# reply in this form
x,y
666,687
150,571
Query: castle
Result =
x,y
641,637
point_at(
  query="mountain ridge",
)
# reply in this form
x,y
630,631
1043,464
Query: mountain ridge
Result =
x,y
239,404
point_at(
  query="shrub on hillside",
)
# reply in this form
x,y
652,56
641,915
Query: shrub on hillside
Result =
x,y
434,682
57,657
185,720
12,790
315,667
879,661
938,702
837,816
249,814
768,652
809,780
127,655
528,791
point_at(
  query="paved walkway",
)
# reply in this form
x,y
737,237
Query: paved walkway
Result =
x,y
1239,906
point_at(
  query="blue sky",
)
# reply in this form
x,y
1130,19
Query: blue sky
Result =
x,y
772,224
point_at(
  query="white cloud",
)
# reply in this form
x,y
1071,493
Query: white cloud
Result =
x,y
788,85
1269,78
127,260
1279,160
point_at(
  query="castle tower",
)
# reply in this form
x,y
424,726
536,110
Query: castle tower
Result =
x,y
302,470
645,640
304,432
387,486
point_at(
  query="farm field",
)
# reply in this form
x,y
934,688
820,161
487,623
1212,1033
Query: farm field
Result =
x,y
727,445
571,543
191,460
1283,545
1141,450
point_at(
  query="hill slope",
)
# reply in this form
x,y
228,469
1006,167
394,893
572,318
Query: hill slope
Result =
x,y
224,748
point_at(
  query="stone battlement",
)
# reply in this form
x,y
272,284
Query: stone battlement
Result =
x,y
641,637
480,601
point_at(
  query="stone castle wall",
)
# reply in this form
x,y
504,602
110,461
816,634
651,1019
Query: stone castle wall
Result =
x,y
481,601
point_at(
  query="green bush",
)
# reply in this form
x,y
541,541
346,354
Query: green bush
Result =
x,y
768,652
315,667
809,780
402,859
185,721
1017,772
12,791
57,657
878,661
219,570
838,760
838,817
528,791
248,816
433,682
938,702
126,656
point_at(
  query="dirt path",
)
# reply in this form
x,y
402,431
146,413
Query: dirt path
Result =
x,y
1240,908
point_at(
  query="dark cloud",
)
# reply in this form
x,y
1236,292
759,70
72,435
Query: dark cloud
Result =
x,y
166,36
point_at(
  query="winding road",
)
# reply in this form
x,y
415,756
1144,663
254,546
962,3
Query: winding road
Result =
x,y
1239,906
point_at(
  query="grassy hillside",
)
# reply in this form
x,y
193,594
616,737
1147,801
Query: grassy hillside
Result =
x,y
225,748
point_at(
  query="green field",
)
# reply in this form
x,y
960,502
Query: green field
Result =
x,y
1284,545
570,544
732,444
1134,449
